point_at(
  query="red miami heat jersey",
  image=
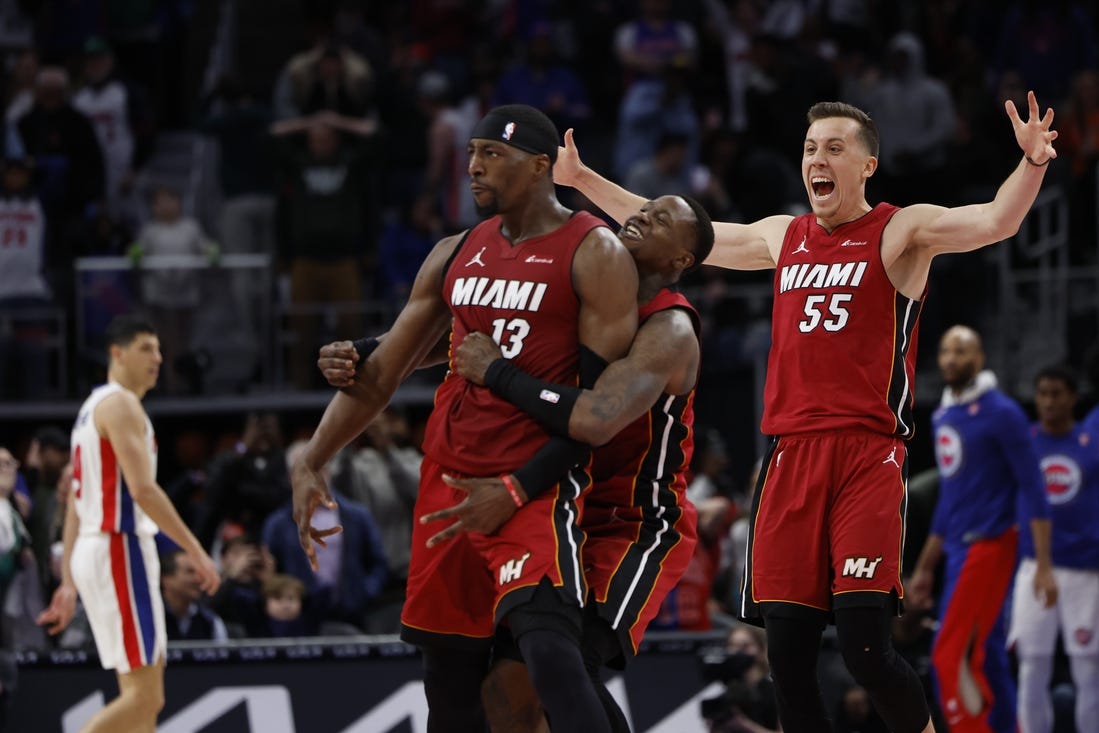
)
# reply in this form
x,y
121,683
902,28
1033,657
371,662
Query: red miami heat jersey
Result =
x,y
843,340
644,466
522,296
103,501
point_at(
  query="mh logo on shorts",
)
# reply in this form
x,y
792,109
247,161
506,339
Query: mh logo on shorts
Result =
x,y
860,567
512,569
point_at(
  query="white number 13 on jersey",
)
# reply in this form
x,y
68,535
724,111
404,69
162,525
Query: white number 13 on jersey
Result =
x,y
815,318
514,331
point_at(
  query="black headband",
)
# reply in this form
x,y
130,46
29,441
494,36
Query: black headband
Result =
x,y
518,133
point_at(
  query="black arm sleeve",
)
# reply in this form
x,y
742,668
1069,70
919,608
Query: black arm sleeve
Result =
x,y
559,454
550,404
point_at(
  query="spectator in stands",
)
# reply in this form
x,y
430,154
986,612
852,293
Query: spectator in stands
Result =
x,y
327,77
652,108
405,242
172,295
748,703
69,163
285,608
665,172
1078,124
328,205
247,482
13,534
1047,42
648,45
235,117
26,298
19,94
541,81
383,475
49,493
352,569
915,116
185,618
446,178
123,121
245,567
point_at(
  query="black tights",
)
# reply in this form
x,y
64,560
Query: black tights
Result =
x,y
452,684
864,639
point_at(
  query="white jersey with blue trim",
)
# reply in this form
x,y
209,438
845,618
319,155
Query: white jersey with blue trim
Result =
x,y
103,501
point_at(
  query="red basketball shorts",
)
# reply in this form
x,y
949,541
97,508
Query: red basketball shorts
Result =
x,y
632,559
827,525
459,590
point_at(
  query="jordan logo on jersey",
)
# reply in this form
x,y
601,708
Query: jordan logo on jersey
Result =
x,y
808,275
477,258
508,294
892,458
801,247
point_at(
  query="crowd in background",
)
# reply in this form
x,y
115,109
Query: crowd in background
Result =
x,y
348,164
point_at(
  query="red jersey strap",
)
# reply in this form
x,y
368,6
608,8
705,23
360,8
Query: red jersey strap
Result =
x,y
666,299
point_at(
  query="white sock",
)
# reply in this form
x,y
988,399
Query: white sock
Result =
x,y
1085,678
1035,709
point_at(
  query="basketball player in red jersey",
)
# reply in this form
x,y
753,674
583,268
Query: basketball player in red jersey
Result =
x,y
640,526
829,510
535,276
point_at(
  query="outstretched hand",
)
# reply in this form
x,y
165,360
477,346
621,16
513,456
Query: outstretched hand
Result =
x,y
566,171
473,355
1034,136
310,491
485,509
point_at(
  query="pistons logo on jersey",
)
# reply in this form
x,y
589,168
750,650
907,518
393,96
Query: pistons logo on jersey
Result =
x,y
948,450
1063,478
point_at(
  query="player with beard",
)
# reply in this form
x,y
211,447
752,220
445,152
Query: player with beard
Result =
x,y
987,468
534,275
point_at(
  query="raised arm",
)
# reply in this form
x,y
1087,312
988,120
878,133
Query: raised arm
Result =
x,y
736,246
663,358
937,229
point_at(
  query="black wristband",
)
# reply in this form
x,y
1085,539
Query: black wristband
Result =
x,y
364,347
549,466
1037,165
548,403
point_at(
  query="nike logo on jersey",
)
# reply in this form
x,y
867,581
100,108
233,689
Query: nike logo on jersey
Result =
x,y
808,275
508,294
477,258
540,260
801,247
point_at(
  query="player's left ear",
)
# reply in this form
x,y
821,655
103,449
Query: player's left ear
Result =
x,y
542,164
870,167
684,260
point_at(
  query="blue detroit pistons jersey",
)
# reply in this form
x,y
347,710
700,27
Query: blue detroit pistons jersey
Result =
x,y
986,463
1070,464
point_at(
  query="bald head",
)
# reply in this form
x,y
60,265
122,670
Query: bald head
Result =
x,y
961,356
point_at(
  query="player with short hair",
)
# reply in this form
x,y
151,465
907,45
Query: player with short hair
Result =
x,y
828,522
1068,454
535,275
113,514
